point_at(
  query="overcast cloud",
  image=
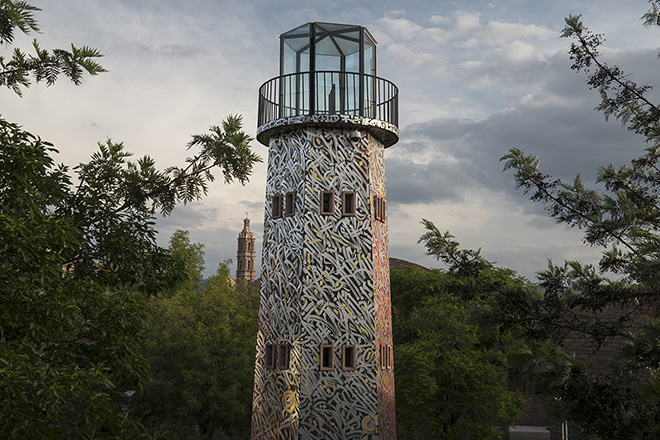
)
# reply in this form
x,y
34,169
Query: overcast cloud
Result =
x,y
476,78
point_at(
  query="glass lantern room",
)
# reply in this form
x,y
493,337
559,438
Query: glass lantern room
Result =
x,y
328,68
316,47
328,76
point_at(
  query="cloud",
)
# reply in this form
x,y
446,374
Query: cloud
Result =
x,y
497,33
443,159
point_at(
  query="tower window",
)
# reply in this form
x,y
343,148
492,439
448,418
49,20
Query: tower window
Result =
x,y
327,202
290,208
386,357
277,206
284,352
327,357
380,207
348,203
348,360
269,361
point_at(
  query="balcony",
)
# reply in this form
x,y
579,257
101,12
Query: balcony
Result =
x,y
329,98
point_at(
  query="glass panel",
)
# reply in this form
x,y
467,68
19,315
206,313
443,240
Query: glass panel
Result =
x,y
369,90
334,27
295,44
348,42
369,55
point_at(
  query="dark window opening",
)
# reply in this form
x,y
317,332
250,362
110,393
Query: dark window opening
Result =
x,y
376,207
270,356
348,357
284,352
380,207
327,202
277,206
290,208
327,357
348,203
386,357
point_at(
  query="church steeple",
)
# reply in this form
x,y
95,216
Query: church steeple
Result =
x,y
246,253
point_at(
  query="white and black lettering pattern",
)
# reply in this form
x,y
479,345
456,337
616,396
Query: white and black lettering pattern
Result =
x,y
325,281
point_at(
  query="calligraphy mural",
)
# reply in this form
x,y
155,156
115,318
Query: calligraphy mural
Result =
x,y
324,310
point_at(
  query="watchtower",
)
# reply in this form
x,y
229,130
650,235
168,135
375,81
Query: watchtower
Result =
x,y
324,364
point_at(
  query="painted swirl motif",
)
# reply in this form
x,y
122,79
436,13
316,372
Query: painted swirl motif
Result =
x,y
325,281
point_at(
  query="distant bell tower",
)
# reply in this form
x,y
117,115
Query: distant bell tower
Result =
x,y
245,254
324,358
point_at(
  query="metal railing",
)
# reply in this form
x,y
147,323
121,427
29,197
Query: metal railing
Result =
x,y
329,93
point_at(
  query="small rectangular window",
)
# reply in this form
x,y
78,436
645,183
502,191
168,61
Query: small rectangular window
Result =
x,y
348,203
348,360
277,206
327,357
377,207
290,208
284,353
383,212
386,357
327,202
270,356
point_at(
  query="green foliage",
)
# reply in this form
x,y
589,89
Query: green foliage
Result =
x,y
189,255
15,71
200,345
76,260
624,219
66,337
450,373
71,261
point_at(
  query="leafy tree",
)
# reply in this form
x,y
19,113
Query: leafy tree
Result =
x,y
189,256
623,218
450,374
200,346
74,260
43,65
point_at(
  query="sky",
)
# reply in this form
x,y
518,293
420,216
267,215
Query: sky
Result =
x,y
475,79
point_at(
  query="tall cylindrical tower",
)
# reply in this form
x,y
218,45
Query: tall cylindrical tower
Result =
x,y
324,364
